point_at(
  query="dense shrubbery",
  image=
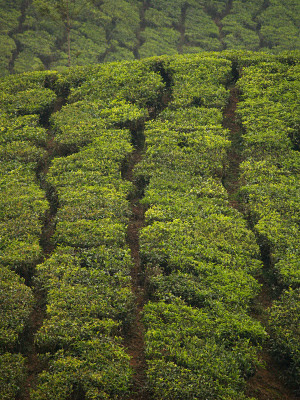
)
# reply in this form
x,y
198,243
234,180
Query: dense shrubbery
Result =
x,y
22,208
270,117
201,32
89,297
89,304
16,301
240,27
9,21
270,114
199,83
22,202
81,122
191,352
12,369
284,328
135,82
279,27
197,251
200,258
34,35
23,205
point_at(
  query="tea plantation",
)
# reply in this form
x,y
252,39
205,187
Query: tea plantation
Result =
x,y
88,151
50,34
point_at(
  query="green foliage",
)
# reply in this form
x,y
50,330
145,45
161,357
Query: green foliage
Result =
x,y
199,256
97,163
15,84
82,233
192,353
90,303
55,34
134,82
22,202
12,375
10,13
239,27
183,150
201,33
158,41
93,202
24,128
98,368
20,151
22,208
26,94
84,303
79,123
123,30
280,29
197,251
32,101
216,7
270,116
42,43
204,283
7,47
284,326
232,248
16,302
198,81
22,205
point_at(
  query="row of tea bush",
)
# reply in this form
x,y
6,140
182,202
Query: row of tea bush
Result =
x,y
199,255
270,116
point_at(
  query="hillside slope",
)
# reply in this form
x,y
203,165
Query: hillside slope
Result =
x,y
149,216
39,34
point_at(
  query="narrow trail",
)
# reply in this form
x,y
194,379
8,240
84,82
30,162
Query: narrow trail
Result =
x,y
231,179
145,6
18,29
267,383
135,337
134,340
27,347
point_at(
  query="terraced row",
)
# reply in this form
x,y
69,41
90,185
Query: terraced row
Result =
x,y
269,114
199,257
38,35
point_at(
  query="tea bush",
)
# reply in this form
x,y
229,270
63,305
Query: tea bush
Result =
x,y
16,303
200,257
269,114
12,368
90,303
284,328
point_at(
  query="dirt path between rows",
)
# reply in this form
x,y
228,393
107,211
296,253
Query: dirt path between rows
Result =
x,y
134,341
268,382
28,348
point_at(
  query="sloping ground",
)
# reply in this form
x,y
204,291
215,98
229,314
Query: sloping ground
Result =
x,y
146,272
131,29
271,144
268,381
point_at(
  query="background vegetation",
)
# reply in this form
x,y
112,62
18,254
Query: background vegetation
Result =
x,y
65,139
40,34
66,135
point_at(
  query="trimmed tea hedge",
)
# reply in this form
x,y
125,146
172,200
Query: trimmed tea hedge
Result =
x,y
270,115
200,257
